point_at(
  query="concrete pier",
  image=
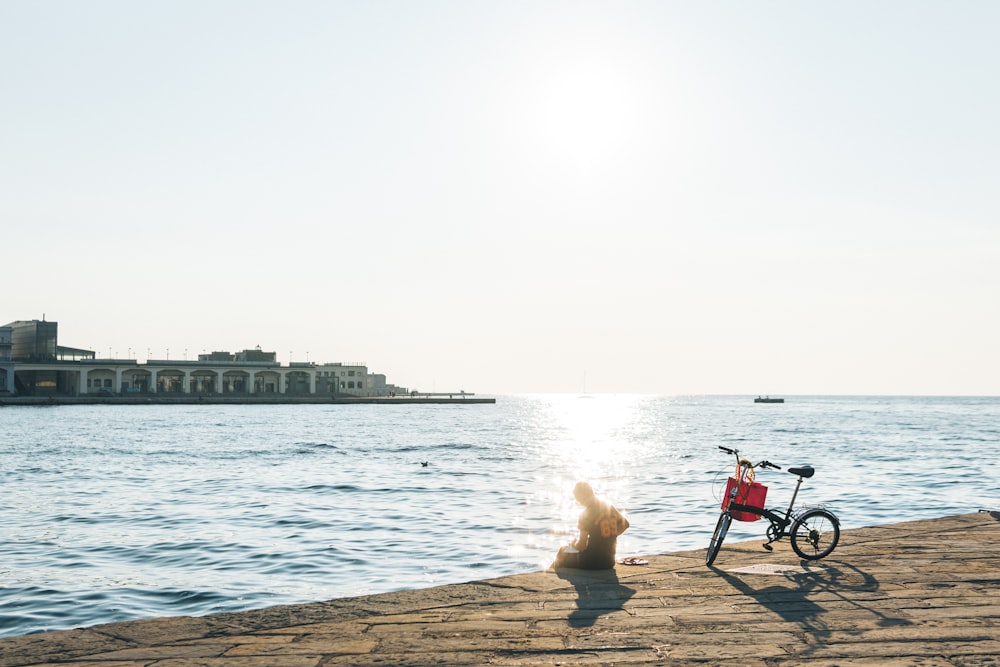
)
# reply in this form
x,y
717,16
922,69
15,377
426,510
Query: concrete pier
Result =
x,y
915,593
244,399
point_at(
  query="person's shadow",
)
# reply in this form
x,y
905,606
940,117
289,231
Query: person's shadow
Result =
x,y
597,592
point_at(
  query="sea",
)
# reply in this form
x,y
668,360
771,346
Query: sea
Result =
x,y
118,512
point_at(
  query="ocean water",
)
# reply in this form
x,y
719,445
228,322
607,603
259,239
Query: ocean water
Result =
x,y
112,513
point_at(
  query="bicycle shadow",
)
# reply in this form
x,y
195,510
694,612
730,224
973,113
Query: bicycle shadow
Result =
x,y
835,579
804,596
597,592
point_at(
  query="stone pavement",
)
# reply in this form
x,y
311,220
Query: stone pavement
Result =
x,y
915,593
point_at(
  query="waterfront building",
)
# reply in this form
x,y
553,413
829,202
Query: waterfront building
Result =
x,y
349,378
6,361
38,365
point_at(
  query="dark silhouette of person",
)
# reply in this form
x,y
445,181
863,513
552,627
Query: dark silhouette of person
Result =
x,y
600,525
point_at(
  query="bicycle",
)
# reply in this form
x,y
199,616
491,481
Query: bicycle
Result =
x,y
813,533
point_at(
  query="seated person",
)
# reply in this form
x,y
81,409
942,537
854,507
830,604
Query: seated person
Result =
x,y
600,525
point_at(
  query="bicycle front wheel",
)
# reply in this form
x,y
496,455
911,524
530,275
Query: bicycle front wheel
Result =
x,y
815,534
721,528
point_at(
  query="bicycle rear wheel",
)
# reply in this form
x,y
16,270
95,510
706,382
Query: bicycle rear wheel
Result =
x,y
815,534
721,528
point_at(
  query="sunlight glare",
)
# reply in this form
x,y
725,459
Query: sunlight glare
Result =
x,y
585,108
588,441
588,434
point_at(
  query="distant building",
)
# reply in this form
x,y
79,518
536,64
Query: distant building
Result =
x,y
216,356
37,341
344,379
33,340
33,363
6,361
256,355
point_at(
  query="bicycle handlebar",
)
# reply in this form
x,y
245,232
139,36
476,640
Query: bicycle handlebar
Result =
x,y
763,464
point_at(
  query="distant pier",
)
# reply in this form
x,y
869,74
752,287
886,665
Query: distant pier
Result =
x,y
456,398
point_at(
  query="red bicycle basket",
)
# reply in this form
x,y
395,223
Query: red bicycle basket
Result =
x,y
748,494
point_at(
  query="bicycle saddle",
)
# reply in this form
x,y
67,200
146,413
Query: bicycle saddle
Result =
x,y
804,471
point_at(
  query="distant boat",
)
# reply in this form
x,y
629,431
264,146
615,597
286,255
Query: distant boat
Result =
x,y
768,399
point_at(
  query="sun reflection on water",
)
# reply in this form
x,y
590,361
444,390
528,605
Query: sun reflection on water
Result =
x,y
586,439
586,432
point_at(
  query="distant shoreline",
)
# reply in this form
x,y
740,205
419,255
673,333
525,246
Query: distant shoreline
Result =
x,y
198,399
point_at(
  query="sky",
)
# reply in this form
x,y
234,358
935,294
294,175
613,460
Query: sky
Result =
x,y
514,197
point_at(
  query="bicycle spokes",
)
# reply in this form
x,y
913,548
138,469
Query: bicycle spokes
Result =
x,y
815,534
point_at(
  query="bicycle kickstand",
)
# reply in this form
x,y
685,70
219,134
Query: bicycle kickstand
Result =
x,y
773,535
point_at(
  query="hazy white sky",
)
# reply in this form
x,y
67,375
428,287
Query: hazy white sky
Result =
x,y
659,197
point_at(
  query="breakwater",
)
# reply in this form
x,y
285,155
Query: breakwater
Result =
x,y
208,399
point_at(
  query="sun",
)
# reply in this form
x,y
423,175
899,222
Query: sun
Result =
x,y
586,108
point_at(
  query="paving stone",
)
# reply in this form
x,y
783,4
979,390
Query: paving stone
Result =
x,y
312,645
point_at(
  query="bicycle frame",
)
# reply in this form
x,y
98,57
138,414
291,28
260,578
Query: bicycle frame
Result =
x,y
779,522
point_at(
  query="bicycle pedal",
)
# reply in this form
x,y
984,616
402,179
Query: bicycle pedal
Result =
x,y
768,547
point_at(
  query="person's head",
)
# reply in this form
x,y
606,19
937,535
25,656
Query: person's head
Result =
x,y
583,492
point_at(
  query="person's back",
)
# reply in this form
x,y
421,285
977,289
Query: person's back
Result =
x,y
604,525
600,525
